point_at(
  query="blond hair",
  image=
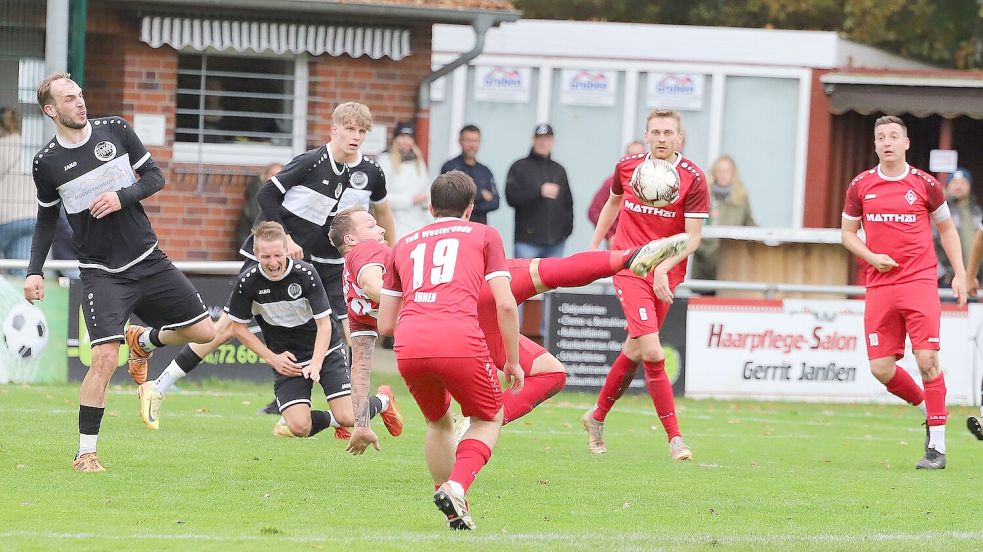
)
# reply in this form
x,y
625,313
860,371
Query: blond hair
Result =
x,y
665,114
396,160
343,224
738,191
269,231
352,113
44,88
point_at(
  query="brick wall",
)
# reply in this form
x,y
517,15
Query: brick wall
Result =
x,y
196,220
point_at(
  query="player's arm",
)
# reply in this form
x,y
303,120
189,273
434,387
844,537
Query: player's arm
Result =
x,y
508,325
321,342
370,280
660,283
853,244
362,435
604,220
973,264
44,234
383,213
953,250
389,306
285,363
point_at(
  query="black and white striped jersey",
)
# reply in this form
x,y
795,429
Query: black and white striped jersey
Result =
x,y
285,309
314,189
75,175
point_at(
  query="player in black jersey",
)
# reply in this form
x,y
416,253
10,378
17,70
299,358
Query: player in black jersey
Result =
x,y
304,197
291,306
88,167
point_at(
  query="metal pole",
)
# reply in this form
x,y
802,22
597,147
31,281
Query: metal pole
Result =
x,y
55,44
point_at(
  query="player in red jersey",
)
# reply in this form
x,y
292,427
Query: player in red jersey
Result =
x,y
646,300
893,202
359,238
432,280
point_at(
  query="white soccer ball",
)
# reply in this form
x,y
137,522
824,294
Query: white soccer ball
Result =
x,y
25,331
655,182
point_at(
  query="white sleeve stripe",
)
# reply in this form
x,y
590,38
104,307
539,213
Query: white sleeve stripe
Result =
x,y
850,217
367,265
942,213
142,160
279,186
696,215
52,204
234,319
392,293
381,201
322,314
498,274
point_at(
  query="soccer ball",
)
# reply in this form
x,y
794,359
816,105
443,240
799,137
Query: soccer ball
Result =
x,y
25,331
655,182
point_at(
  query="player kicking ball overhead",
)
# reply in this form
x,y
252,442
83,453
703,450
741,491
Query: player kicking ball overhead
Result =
x,y
894,203
291,306
432,281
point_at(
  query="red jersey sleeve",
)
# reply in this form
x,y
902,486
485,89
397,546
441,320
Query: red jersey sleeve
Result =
x,y
853,209
617,186
696,204
934,196
391,283
369,254
495,265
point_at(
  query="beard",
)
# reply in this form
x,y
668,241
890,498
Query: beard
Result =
x,y
68,122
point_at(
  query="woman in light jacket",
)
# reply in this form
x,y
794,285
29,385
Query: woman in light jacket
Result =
x,y
407,181
729,206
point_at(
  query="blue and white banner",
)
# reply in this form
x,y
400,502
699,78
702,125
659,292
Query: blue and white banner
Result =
x,y
674,91
502,84
588,87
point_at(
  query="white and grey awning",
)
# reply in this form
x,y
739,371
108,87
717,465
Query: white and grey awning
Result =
x,y
259,36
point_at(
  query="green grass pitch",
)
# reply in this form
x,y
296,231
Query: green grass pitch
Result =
x,y
767,476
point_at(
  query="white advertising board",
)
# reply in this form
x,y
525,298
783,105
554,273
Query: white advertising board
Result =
x,y
502,84
810,350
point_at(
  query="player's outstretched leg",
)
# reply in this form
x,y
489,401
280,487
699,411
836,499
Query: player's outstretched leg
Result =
x,y
544,377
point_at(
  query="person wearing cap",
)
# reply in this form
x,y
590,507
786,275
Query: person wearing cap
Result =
x,y
407,181
538,190
966,215
486,197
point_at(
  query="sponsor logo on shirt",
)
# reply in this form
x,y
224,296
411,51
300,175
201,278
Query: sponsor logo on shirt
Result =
x,y
645,209
105,150
891,217
71,165
359,180
294,291
262,292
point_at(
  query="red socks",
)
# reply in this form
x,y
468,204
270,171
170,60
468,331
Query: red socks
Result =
x,y
583,268
537,388
903,386
472,455
935,401
615,384
660,389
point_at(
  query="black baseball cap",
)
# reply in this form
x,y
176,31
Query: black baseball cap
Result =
x,y
543,129
403,128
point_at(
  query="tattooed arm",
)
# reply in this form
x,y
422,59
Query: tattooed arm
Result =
x,y
362,435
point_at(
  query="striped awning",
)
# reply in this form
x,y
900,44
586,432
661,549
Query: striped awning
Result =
x,y
258,36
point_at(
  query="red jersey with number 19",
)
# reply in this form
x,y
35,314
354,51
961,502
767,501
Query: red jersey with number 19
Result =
x,y
362,309
894,213
640,223
438,271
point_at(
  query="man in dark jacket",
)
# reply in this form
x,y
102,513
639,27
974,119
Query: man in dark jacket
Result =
x,y
486,197
537,188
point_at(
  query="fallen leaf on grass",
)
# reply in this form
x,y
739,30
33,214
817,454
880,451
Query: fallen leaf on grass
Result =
x,y
247,403
544,481
112,414
201,411
21,466
626,505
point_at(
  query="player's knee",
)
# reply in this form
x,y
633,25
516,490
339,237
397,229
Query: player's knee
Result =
x,y
547,364
653,353
300,428
105,357
928,363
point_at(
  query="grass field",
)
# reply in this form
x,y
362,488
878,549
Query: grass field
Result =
x,y
766,476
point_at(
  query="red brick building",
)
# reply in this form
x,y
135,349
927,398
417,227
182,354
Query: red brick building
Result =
x,y
219,92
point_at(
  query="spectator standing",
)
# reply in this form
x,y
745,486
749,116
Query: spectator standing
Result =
x,y
729,206
250,207
966,215
18,207
407,181
486,199
538,190
601,197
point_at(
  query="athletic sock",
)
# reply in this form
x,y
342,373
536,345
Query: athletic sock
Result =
x,y
935,401
536,389
580,269
472,455
376,404
146,342
155,337
615,384
187,360
660,389
936,438
320,420
90,419
904,387
168,377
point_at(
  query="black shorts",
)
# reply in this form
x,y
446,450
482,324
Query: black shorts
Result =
x,y
155,290
332,276
335,381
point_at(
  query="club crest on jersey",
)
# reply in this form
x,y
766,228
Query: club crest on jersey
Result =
x,y
105,150
910,197
293,290
359,180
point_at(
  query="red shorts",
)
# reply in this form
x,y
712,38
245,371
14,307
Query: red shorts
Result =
x,y
891,311
472,381
643,311
529,351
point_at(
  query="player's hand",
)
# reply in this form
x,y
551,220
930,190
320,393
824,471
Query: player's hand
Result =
x,y
974,286
883,263
362,437
285,363
105,204
34,288
660,286
294,251
959,290
312,372
550,190
515,376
